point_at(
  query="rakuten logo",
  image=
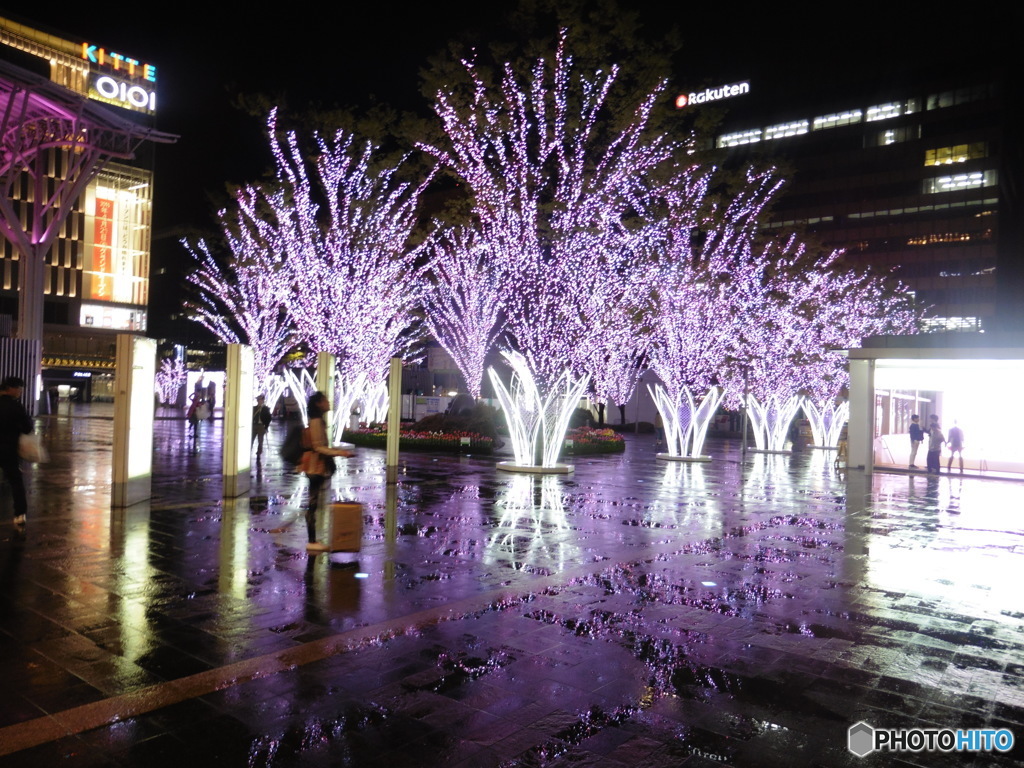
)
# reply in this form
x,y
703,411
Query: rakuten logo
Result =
x,y
712,94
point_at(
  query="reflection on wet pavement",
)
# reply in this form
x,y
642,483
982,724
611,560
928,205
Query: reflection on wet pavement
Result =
x,y
633,613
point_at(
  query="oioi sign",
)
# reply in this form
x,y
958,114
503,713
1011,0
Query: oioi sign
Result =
x,y
120,80
122,94
713,94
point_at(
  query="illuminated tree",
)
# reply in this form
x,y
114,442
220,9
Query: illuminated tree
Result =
x,y
617,351
735,313
244,300
170,378
343,226
708,283
550,203
462,303
812,307
861,305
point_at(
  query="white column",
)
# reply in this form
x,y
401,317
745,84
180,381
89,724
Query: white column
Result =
x,y
238,403
394,417
861,431
134,379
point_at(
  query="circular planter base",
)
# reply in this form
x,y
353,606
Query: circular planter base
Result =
x,y
693,459
534,469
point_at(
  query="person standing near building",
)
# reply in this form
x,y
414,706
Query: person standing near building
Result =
x,y
14,422
317,462
260,421
916,438
935,441
956,446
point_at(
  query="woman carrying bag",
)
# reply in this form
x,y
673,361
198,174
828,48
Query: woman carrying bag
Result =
x,y
317,462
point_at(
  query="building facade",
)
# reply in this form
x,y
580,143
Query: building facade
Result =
x,y
97,272
918,179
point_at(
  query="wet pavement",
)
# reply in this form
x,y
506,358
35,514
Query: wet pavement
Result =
x,y
635,613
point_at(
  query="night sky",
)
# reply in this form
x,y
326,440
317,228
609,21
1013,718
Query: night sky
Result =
x,y
343,53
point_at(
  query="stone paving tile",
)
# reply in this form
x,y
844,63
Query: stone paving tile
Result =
x,y
636,613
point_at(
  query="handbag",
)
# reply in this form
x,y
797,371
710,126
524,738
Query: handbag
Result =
x,y
31,450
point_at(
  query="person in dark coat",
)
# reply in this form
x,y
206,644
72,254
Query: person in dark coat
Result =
x,y
14,422
260,421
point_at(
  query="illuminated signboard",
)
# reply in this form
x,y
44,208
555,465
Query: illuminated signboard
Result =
x,y
120,80
102,246
115,61
122,94
712,94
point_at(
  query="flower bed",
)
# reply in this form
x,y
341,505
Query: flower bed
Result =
x,y
375,436
587,441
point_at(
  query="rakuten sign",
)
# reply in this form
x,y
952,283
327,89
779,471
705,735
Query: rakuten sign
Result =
x,y
713,94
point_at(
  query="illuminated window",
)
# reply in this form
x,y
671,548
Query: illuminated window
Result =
x,y
837,119
782,130
950,237
884,111
932,324
893,136
742,137
957,154
960,181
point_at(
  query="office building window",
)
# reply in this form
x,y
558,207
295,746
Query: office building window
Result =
x,y
837,119
741,137
957,154
959,96
960,181
893,136
782,130
884,111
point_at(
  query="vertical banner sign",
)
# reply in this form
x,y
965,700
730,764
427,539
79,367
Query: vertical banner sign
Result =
x,y
102,251
238,405
134,379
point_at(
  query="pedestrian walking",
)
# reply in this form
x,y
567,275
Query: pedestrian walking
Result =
x,y
317,462
261,419
14,422
916,438
956,447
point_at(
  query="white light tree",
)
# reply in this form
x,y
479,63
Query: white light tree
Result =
x,y
550,200
344,227
861,304
462,303
812,307
707,284
170,378
243,301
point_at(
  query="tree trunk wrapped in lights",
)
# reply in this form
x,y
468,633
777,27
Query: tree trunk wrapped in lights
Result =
x,y
537,420
827,420
707,279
